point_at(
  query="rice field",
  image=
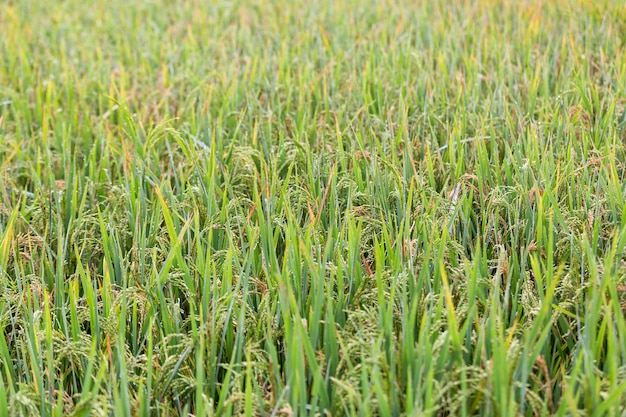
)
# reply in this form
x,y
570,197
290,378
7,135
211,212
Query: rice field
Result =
x,y
313,208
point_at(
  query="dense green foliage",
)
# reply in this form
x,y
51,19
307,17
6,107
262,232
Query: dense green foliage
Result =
x,y
277,208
